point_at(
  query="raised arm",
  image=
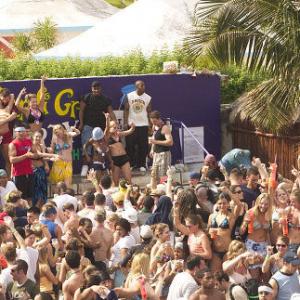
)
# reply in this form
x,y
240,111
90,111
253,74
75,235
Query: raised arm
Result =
x,y
81,114
10,104
183,229
74,131
23,110
111,113
107,125
42,98
229,265
169,183
129,131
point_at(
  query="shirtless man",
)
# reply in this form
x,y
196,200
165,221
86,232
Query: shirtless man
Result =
x,y
72,222
76,280
207,290
102,241
6,116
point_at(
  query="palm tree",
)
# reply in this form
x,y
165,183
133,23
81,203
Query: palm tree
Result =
x,y
22,43
45,33
261,36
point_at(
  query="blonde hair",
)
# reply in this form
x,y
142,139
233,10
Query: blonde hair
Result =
x,y
56,127
112,217
276,192
28,97
140,264
235,249
159,229
43,255
261,197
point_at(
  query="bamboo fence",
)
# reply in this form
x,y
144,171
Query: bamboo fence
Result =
x,y
285,148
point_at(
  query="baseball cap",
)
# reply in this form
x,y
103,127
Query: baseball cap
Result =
x,y
20,129
178,245
291,258
3,173
195,175
146,232
159,191
97,134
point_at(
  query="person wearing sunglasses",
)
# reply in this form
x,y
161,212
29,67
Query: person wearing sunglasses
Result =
x,y
265,292
21,287
273,262
238,207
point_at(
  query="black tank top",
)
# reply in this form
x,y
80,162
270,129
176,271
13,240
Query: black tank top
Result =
x,y
160,137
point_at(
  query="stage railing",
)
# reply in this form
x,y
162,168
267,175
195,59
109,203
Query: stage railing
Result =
x,y
184,127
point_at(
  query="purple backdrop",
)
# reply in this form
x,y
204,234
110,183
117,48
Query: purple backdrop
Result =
x,y
193,100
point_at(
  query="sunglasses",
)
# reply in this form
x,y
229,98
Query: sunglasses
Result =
x,y
238,192
281,245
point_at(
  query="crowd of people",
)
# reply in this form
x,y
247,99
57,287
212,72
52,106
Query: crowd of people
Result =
x,y
228,234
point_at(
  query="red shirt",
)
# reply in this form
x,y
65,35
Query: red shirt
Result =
x,y
23,167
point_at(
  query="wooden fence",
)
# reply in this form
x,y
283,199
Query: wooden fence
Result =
x,y
267,146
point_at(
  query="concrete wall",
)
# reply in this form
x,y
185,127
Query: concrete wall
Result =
x,y
226,133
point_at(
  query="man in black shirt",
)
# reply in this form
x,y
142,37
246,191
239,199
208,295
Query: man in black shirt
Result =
x,y
91,115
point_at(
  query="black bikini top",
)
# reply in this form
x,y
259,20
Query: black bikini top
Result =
x,y
112,141
35,117
224,224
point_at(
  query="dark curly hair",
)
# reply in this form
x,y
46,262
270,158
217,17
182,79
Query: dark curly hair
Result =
x,y
187,200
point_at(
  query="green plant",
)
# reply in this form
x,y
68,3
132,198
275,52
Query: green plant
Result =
x,y
45,34
120,3
23,43
259,36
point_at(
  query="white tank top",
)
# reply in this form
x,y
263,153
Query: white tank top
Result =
x,y
138,109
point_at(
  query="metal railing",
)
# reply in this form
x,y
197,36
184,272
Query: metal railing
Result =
x,y
184,127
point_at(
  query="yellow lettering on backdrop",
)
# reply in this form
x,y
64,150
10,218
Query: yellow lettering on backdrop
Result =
x,y
63,111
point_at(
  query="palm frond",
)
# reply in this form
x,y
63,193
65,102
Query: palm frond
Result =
x,y
260,35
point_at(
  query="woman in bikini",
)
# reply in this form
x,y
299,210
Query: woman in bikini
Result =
x,y
280,210
34,114
257,222
220,226
6,116
274,262
119,156
294,221
238,207
62,144
236,265
198,241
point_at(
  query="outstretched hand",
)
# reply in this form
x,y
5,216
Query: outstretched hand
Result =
x,y
44,78
23,91
91,175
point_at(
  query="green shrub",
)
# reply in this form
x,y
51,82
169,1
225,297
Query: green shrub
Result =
x,y
134,62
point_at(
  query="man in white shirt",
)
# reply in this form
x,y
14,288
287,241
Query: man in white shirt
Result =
x,y
6,187
137,109
184,283
62,199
